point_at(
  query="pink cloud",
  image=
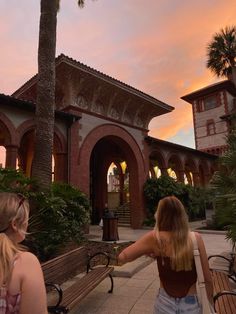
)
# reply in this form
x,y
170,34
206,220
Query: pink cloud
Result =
x,y
159,47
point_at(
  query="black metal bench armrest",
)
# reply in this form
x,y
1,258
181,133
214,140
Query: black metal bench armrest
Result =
x,y
229,260
58,310
221,256
221,293
89,267
60,294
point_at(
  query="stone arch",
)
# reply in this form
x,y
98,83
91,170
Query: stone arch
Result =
x,y
138,169
60,156
204,172
175,163
156,158
8,140
25,133
24,127
8,130
190,171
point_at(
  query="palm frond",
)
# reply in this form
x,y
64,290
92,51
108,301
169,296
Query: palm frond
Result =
x,y
221,52
81,3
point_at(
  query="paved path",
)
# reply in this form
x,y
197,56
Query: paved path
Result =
x,y
136,295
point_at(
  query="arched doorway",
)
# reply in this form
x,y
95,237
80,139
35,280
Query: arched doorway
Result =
x,y
107,151
104,145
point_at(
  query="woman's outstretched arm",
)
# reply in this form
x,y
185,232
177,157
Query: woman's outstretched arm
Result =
x,y
143,246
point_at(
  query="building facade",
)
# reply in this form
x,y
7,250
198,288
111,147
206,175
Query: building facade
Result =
x,y
99,121
211,108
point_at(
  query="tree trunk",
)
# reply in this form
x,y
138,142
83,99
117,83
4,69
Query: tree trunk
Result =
x,y
45,103
234,75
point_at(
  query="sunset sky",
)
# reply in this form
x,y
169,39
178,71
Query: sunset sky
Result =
x,y
156,46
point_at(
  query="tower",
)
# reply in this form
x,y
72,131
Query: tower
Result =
x,y
212,107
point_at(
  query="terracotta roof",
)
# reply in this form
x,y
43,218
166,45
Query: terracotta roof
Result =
x,y
30,106
63,58
155,140
223,85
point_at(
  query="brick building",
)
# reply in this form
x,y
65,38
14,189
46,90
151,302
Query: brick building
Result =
x,y
212,107
99,121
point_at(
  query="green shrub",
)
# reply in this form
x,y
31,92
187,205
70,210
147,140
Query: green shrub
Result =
x,y
56,217
193,198
224,186
60,217
15,181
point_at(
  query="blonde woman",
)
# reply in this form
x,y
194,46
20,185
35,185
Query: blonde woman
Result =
x,y
171,244
22,289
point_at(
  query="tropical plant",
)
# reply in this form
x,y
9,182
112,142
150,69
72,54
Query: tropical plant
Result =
x,y
45,102
221,53
224,185
60,218
193,198
12,180
57,216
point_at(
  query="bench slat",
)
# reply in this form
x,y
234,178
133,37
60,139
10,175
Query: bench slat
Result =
x,y
227,303
75,293
65,266
68,265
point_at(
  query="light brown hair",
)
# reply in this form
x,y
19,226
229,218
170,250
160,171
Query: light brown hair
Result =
x,y
171,217
12,207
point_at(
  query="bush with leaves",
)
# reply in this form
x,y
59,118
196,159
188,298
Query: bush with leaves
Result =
x,y
56,217
193,198
224,186
60,217
15,181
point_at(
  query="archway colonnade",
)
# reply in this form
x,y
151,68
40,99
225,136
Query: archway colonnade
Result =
x,y
186,165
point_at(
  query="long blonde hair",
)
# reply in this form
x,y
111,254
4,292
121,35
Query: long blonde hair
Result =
x,y
171,217
12,206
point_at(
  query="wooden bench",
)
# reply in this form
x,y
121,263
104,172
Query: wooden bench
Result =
x,y
224,297
67,266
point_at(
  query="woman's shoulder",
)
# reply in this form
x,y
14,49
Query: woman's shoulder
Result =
x,y
197,234
27,257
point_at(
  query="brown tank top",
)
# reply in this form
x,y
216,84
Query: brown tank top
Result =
x,y
175,283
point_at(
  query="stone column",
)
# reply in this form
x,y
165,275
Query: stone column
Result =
x,y
11,156
164,171
196,179
73,147
60,174
180,175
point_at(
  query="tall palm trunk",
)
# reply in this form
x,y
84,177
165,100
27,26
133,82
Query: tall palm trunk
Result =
x,y
45,103
234,74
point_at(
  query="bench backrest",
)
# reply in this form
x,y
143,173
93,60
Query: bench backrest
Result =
x,y
66,266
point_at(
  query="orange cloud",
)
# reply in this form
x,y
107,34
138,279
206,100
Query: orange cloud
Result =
x,y
159,47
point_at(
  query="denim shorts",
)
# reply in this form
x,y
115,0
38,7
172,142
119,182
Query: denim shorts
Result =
x,y
166,304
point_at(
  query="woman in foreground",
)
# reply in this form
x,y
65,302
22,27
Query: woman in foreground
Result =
x,y
170,243
22,289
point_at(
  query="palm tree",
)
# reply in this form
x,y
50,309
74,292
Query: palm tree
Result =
x,y
221,53
45,102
